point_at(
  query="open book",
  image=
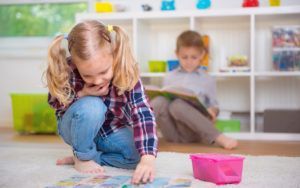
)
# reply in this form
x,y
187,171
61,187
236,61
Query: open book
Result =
x,y
172,93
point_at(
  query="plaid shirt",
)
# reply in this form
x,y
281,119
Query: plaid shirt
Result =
x,y
130,109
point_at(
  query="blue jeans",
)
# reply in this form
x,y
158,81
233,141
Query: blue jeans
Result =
x,y
79,128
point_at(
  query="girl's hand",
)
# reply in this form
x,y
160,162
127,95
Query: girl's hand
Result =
x,y
144,171
93,90
213,113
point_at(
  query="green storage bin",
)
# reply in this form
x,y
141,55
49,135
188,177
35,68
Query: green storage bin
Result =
x,y
32,113
231,125
157,66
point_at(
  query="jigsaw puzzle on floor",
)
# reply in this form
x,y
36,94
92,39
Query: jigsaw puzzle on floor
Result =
x,y
102,181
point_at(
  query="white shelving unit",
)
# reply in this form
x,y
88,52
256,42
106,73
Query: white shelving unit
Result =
x,y
231,31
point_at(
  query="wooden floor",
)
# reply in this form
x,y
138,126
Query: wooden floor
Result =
x,y
281,148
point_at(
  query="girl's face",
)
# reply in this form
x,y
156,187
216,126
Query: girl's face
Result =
x,y
189,58
97,71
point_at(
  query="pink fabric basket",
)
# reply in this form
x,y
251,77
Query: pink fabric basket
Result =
x,y
217,168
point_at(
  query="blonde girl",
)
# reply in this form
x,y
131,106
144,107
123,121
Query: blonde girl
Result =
x,y
101,108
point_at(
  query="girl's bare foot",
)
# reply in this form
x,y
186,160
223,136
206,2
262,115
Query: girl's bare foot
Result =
x,y
65,161
87,166
226,142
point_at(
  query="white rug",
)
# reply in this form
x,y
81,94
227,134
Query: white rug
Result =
x,y
33,166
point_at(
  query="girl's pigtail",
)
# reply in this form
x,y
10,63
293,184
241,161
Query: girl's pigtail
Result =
x,y
126,73
58,72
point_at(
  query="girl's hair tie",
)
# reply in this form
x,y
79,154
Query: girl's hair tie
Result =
x,y
66,36
110,28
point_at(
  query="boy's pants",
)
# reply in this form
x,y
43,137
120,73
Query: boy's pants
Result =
x,y
181,122
79,128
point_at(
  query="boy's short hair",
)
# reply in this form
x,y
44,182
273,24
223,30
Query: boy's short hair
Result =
x,y
190,39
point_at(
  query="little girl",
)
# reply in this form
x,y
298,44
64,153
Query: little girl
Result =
x,y
101,108
179,121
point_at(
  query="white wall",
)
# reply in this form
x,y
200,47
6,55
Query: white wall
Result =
x,y
23,60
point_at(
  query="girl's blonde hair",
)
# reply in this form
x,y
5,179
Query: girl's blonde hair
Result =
x,y
84,40
190,39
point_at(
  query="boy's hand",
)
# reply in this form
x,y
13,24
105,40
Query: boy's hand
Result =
x,y
213,114
144,171
93,90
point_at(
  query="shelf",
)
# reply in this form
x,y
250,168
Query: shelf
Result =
x,y
164,20
290,49
265,136
194,13
230,74
104,16
245,31
215,74
153,74
277,73
248,11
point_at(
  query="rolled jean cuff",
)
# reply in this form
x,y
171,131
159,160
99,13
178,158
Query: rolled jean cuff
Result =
x,y
85,156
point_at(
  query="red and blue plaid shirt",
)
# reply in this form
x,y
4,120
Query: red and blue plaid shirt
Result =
x,y
129,109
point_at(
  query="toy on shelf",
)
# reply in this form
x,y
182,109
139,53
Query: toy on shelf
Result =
x,y
205,61
120,7
286,60
274,3
146,7
203,4
228,125
286,36
172,64
167,5
250,3
157,66
236,63
286,48
225,123
103,7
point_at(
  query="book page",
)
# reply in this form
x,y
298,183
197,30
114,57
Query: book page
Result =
x,y
179,90
171,93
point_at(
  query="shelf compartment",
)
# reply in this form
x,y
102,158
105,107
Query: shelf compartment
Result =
x,y
277,74
156,39
278,121
277,93
234,94
228,36
214,74
263,37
